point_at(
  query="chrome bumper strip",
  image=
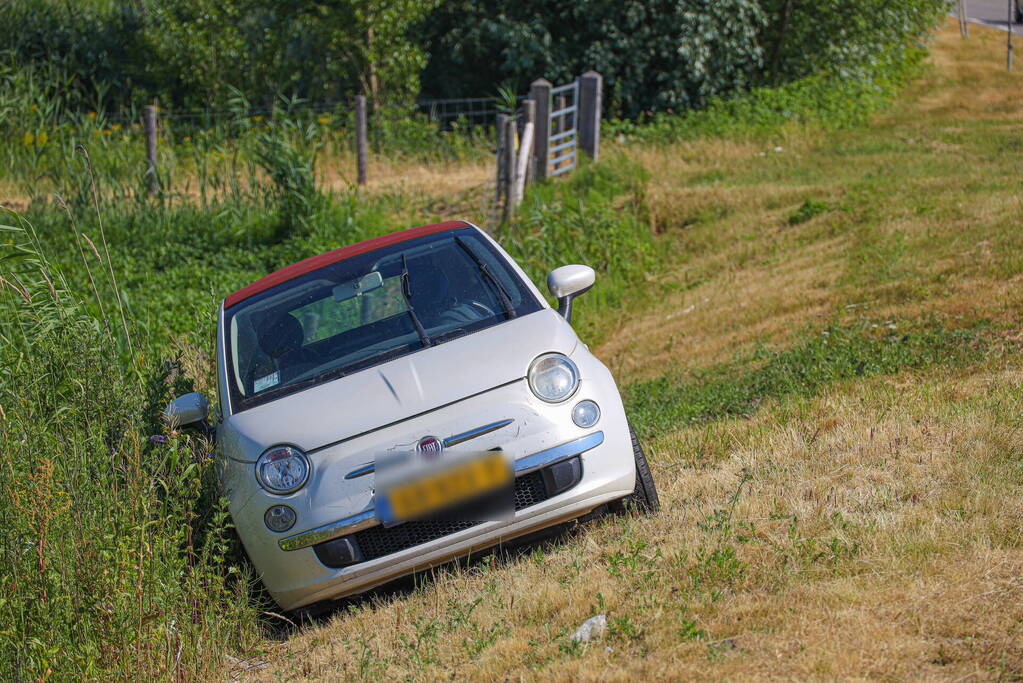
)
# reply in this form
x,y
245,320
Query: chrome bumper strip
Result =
x,y
367,518
342,527
453,440
557,453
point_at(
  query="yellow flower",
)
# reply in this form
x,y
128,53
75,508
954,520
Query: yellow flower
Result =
x,y
34,107
187,138
92,114
257,117
324,120
107,131
28,139
42,138
117,126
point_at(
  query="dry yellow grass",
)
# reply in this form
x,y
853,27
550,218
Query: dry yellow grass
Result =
x,y
871,531
748,275
881,543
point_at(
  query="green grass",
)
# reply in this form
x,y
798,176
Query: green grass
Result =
x,y
819,359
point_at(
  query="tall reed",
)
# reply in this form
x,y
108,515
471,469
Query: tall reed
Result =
x,y
117,554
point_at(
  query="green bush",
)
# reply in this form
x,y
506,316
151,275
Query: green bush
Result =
x,y
119,54
831,101
840,37
660,55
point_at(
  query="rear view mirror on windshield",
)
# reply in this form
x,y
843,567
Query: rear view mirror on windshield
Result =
x,y
358,287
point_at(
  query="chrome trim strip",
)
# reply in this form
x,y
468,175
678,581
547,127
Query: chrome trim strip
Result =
x,y
368,468
454,440
342,527
557,453
473,433
367,518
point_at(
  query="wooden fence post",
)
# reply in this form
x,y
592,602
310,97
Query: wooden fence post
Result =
x,y
963,25
502,145
509,166
361,137
149,122
591,86
1008,45
525,155
540,93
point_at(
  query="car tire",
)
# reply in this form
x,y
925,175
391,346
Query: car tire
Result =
x,y
644,497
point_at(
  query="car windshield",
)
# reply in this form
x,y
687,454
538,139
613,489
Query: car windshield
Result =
x,y
367,310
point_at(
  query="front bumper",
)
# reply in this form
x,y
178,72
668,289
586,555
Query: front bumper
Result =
x,y
541,435
367,518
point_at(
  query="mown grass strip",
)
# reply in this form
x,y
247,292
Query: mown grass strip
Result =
x,y
838,352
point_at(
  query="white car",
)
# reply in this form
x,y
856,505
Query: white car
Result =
x,y
397,403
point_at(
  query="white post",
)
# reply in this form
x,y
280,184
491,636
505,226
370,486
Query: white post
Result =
x,y
525,152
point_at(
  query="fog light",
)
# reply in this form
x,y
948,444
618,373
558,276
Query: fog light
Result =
x,y
561,476
585,413
339,552
279,518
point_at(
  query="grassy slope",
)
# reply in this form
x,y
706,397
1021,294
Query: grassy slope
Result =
x,y
871,529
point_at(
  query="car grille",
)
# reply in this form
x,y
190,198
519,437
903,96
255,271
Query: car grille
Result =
x,y
379,540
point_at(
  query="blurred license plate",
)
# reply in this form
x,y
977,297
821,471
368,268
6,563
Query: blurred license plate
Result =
x,y
428,493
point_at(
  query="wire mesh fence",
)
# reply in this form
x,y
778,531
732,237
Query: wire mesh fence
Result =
x,y
465,111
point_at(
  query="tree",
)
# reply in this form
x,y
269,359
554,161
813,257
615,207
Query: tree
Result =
x,y
838,36
654,54
369,41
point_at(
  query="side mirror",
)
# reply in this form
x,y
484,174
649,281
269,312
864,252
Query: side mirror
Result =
x,y
190,410
568,282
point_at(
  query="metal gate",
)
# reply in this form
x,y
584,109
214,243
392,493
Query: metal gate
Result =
x,y
561,152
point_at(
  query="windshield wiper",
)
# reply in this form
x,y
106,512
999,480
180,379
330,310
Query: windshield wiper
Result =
x,y
502,294
406,294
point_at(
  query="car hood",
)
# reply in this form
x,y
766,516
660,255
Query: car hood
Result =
x,y
399,389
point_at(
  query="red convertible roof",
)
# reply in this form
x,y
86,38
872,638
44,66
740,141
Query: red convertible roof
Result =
x,y
313,262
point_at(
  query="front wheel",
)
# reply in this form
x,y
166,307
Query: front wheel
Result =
x,y
644,496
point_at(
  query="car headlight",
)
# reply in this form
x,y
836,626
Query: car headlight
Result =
x,y
282,469
553,377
